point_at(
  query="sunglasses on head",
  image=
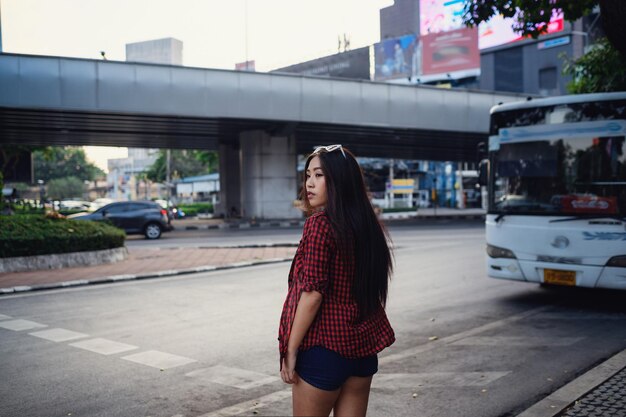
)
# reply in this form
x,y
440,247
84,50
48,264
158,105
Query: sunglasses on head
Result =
x,y
329,148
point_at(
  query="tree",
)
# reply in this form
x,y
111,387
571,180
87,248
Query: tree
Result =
x,y
183,163
532,16
69,187
63,162
602,69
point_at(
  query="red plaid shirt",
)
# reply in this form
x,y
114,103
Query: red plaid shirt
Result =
x,y
317,266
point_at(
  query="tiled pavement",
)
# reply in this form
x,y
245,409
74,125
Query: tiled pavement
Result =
x,y
606,400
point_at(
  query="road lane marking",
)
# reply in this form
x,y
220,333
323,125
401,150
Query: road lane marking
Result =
x,y
580,315
59,335
232,377
3,317
19,325
159,360
436,379
249,406
517,341
414,351
103,346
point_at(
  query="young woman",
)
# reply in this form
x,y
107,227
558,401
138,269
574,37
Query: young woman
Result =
x,y
333,322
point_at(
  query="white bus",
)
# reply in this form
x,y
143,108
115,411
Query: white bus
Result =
x,y
556,177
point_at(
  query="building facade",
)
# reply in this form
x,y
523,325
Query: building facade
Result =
x,y
159,51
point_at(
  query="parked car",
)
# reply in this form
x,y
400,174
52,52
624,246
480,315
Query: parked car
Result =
x,y
135,217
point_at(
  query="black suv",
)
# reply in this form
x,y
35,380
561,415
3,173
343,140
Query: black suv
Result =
x,y
135,217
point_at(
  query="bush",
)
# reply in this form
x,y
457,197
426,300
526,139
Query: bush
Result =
x,y
29,235
194,208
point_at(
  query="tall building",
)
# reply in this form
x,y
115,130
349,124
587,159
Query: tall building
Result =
x,y
159,51
123,172
399,19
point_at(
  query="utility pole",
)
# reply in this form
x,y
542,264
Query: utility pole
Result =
x,y
0,27
391,195
167,177
246,29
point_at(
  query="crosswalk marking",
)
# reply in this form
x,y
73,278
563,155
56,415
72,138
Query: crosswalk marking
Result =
x,y
103,346
159,360
436,379
517,341
58,335
248,406
19,325
3,317
232,377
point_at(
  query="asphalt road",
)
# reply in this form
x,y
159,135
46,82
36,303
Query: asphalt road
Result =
x,y
205,344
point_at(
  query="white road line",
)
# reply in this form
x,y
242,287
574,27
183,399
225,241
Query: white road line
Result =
x,y
59,335
19,325
517,341
436,379
159,360
249,406
3,317
232,377
458,336
103,346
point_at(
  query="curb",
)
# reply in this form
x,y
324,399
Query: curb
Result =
x,y
554,404
130,277
300,223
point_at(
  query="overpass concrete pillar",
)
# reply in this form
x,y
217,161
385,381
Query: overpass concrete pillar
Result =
x,y
230,179
268,176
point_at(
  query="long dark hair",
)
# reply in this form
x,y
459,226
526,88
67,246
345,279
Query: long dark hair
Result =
x,y
356,228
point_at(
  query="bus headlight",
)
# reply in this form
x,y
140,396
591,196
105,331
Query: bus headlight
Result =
x,y
496,252
619,261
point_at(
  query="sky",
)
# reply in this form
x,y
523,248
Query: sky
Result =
x,y
215,33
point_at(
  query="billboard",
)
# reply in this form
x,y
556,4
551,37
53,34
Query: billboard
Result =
x,y
350,64
452,54
446,15
396,58
498,31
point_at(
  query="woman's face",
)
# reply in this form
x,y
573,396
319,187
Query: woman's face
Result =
x,y
316,184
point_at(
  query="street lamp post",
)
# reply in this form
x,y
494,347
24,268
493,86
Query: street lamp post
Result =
x,y
42,193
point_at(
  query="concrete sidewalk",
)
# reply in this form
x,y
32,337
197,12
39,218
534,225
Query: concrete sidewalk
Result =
x,y
147,263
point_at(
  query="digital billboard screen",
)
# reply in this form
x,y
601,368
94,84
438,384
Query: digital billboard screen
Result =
x,y
395,58
446,15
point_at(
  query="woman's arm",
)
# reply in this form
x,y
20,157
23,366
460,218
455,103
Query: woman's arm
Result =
x,y
309,304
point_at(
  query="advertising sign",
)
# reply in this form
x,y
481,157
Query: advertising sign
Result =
x,y
395,58
446,15
350,64
449,52
245,66
499,30
403,186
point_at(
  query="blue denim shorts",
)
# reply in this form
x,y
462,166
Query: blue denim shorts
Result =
x,y
328,370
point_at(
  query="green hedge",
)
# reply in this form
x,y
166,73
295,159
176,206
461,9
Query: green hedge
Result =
x,y
194,208
28,235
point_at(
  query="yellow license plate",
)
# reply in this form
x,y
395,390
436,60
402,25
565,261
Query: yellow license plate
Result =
x,y
557,277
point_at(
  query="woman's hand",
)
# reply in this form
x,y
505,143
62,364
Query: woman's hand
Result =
x,y
288,373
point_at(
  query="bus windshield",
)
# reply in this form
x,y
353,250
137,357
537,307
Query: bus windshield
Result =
x,y
570,176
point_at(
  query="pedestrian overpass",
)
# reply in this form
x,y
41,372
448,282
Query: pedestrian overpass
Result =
x,y
259,122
